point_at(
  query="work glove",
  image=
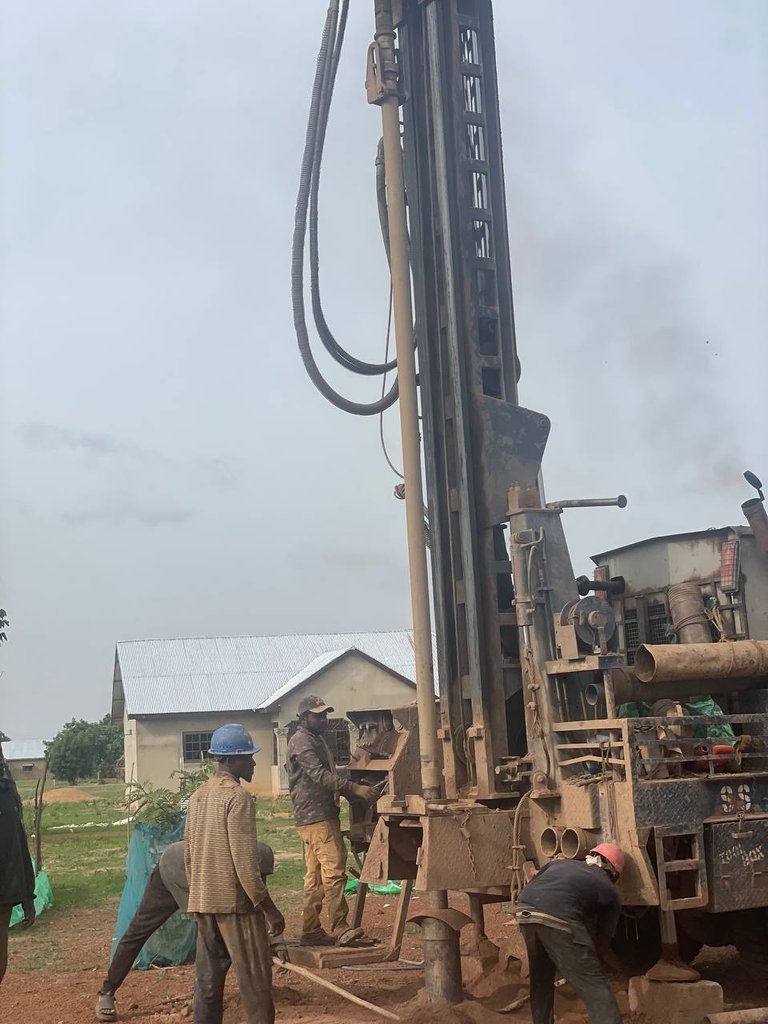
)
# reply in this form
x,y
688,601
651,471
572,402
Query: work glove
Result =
x,y
368,794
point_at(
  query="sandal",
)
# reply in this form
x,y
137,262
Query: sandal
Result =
x,y
349,936
105,1006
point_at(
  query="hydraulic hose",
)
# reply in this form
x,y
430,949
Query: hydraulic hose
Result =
x,y
330,44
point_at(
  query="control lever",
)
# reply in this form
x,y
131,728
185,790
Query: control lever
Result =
x,y
620,501
613,587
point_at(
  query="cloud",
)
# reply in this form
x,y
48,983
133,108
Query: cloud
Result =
x,y
47,437
115,508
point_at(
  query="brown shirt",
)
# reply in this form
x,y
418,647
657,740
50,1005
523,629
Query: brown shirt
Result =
x,y
221,850
313,781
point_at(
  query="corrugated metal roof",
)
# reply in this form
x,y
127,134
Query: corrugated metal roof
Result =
x,y
241,673
24,750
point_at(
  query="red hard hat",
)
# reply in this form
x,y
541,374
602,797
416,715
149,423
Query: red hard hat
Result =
x,y
613,854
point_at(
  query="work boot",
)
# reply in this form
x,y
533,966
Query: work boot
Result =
x,y
318,938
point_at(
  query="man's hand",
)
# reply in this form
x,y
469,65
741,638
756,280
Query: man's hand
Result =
x,y
275,920
30,914
368,794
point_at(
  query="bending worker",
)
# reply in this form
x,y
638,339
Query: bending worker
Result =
x,y
166,892
568,914
315,787
17,877
227,894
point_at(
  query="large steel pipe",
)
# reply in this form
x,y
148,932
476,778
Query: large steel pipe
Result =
x,y
627,687
666,663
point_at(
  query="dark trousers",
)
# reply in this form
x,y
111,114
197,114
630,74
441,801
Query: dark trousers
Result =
x,y
5,926
571,955
239,941
156,906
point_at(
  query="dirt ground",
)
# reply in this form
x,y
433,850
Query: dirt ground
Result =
x,y
64,795
56,968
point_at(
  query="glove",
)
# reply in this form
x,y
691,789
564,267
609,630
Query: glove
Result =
x,y
368,794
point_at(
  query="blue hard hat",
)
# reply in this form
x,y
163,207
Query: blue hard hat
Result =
x,y
231,740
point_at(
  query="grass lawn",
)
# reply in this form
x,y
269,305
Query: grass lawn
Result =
x,y
86,866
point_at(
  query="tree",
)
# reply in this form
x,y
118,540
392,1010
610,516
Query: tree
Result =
x,y
4,738
85,750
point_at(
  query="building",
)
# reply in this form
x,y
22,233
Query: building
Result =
x,y
26,758
170,695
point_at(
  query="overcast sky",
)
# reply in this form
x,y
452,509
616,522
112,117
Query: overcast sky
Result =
x,y
168,469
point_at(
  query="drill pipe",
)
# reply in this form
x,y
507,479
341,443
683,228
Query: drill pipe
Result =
x,y
628,687
733,659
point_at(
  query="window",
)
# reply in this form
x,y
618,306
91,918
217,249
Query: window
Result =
x,y
337,738
196,745
27,767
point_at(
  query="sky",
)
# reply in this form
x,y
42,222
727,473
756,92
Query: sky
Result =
x,y
167,469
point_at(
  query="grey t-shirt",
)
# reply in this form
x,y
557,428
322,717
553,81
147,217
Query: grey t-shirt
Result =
x,y
174,873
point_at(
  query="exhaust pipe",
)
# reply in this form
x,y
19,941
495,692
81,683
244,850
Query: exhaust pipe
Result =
x,y
757,517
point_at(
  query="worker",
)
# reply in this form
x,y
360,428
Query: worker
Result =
x,y
315,787
227,894
568,914
166,892
17,877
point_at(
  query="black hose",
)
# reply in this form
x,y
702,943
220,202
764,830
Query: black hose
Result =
x,y
322,78
340,354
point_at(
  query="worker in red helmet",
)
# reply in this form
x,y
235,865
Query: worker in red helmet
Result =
x,y
568,914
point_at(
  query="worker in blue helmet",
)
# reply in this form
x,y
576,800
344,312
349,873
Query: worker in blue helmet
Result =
x,y
227,894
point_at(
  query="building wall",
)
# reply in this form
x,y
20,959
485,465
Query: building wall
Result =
x,y
154,745
36,772
159,746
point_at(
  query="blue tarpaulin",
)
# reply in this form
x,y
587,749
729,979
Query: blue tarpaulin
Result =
x,y
174,943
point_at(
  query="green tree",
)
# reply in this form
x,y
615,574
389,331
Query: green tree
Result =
x,y
4,738
3,624
85,750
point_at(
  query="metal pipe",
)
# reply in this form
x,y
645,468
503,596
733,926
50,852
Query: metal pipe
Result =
x,y
686,606
628,687
619,502
733,659
759,1015
756,516
409,408
442,962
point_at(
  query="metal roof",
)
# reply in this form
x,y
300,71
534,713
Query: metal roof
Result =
x,y
24,750
240,673
715,531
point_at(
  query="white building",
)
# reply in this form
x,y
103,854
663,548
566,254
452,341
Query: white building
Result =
x,y
26,758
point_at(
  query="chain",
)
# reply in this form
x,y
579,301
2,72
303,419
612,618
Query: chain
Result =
x,y
464,830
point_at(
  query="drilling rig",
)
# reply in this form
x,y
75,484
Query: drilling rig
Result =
x,y
548,736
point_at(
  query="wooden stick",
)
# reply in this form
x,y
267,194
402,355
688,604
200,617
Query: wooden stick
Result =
x,y
39,792
524,999
304,973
